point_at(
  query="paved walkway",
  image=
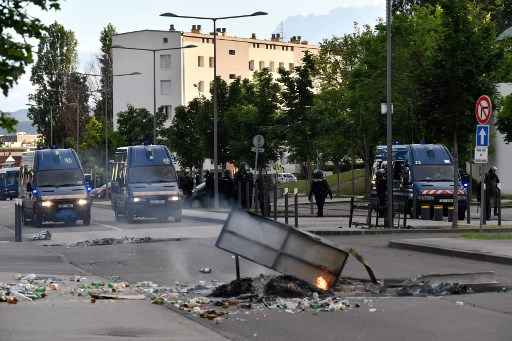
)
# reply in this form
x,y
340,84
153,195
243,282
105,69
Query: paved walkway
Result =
x,y
499,251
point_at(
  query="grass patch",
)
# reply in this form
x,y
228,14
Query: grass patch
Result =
x,y
345,180
487,236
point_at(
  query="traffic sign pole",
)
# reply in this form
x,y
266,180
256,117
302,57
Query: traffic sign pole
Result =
x,y
483,114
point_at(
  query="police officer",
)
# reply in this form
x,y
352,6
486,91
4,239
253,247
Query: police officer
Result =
x,y
320,189
491,191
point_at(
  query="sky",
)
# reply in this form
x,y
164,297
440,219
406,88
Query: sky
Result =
x,y
87,18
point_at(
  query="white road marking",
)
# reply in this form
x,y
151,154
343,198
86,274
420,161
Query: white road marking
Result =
x,y
111,227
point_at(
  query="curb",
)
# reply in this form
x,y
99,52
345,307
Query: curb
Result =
x,y
484,257
404,231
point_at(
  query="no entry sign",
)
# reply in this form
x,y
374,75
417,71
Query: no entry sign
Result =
x,y
483,109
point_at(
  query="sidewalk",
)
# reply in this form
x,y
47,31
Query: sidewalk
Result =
x,y
61,316
497,251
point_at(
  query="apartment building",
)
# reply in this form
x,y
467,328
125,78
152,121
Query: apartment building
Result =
x,y
172,76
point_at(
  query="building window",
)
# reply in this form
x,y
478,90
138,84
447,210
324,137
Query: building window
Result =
x,y
291,48
266,46
258,46
200,86
211,61
232,52
165,40
281,66
262,65
165,61
166,110
291,66
232,76
200,61
271,66
251,65
165,87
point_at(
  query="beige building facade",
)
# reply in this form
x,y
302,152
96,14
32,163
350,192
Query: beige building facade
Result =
x,y
171,77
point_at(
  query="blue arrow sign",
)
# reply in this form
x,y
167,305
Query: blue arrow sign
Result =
x,y
482,136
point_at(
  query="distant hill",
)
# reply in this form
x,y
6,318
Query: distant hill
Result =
x,y
24,124
339,21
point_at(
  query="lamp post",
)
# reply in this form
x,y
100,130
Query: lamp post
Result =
x,y
389,118
215,88
154,73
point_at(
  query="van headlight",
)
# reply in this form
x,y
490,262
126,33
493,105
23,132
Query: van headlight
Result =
x,y
82,202
47,203
174,198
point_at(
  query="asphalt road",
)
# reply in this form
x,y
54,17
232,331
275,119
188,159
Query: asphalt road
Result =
x,y
481,317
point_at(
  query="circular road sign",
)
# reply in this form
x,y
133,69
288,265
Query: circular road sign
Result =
x,y
483,109
258,141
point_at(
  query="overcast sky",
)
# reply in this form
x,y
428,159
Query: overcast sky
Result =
x,y
87,17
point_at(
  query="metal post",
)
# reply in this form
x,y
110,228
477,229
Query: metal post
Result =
x,y
286,206
275,202
237,267
78,120
154,97
483,211
215,119
105,112
296,204
499,207
351,212
256,175
389,120
51,127
17,222
239,185
468,201
247,195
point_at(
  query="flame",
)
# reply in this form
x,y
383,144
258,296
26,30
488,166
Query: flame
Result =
x,y
321,283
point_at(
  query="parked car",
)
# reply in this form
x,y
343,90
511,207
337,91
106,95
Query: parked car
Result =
x,y
286,177
100,192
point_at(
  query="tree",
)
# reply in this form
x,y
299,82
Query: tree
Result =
x,y
105,61
188,134
135,125
504,120
59,89
301,124
94,134
18,26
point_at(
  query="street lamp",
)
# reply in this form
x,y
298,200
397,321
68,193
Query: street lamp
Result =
x,y
154,73
215,88
105,112
389,118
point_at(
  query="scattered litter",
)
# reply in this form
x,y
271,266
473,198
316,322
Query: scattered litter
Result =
x,y
459,303
205,270
372,310
113,241
43,235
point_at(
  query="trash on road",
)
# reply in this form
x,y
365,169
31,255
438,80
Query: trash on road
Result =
x,y
42,235
113,241
205,270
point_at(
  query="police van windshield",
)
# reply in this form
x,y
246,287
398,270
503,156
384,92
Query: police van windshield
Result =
x,y
11,178
59,178
433,173
151,174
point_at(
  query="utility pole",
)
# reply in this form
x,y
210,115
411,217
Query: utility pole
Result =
x,y
389,119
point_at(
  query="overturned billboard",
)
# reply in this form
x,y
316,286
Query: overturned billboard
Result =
x,y
282,248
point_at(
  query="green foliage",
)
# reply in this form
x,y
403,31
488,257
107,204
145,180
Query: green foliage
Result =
x,y
105,61
504,121
94,134
17,25
135,125
60,92
7,122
